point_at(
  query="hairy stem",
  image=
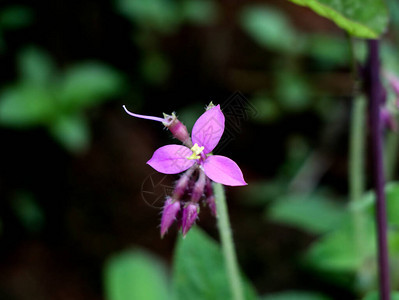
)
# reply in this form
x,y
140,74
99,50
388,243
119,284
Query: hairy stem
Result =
x,y
226,238
374,89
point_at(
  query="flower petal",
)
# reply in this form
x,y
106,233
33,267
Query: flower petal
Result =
x,y
223,170
171,159
208,129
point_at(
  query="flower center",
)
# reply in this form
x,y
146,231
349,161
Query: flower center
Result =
x,y
196,152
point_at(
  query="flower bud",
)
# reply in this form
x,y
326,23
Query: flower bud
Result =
x,y
182,184
190,213
178,129
170,210
210,197
199,186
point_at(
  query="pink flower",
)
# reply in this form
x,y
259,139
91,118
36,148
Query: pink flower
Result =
x,y
206,134
200,166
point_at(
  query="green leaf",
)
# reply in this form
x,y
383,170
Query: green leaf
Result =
x,y
28,211
72,132
270,28
361,18
338,250
200,12
15,16
328,50
294,295
392,198
161,15
293,91
135,275
26,105
199,269
155,68
36,66
367,203
87,84
374,295
311,213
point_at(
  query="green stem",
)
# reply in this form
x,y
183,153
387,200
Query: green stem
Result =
x,y
226,238
356,149
356,167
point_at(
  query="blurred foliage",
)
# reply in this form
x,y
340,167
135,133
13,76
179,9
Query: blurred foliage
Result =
x,y
295,295
135,274
375,296
199,271
154,19
341,250
164,16
271,28
45,97
12,18
28,211
313,213
361,18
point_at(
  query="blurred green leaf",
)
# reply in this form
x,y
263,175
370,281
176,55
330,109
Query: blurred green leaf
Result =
x,y
338,250
199,270
375,295
328,50
293,91
315,213
135,275
15,16
199,11
262,192
392,200
88,84
366,203
362,18
295,295
28,212
267,109
26,105
36,66
161,15
155,68
72,132
270,28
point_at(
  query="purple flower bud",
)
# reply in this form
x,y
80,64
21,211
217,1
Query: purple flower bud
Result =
x,y
212,205
170,210
190,213
178,129
210,197
182,184
199,186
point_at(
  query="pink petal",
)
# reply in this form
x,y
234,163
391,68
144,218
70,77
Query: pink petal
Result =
x,y
208,129
223,170
171,159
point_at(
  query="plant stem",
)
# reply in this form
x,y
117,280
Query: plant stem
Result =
x,y
356,167
374,89
226,238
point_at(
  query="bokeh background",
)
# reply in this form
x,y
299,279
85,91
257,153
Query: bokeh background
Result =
x,y
75,190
